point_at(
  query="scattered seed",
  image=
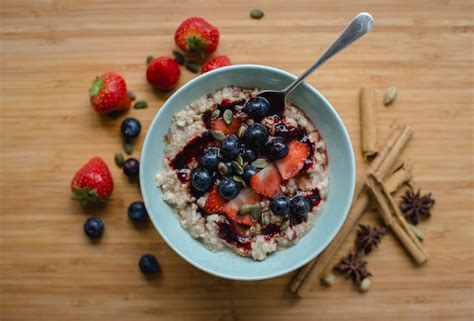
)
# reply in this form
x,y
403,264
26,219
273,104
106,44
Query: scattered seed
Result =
x,y
215,114
178,57
240,180
114,114
237,168
390,96
218,135
284,225
328,279
256,14
127,147
132,95
222,169
149,59
227,116
241,131
255,212
219,153
240,160
119,160
244,210
365,285
260,163
417,232
265,219
192,66
141,104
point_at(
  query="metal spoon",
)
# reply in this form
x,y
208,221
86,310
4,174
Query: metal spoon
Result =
x,y
359,26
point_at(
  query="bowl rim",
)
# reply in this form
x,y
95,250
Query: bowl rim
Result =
x,y
351,180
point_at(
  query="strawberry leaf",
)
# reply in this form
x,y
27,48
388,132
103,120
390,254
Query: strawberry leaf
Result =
x,y
86,196
96,86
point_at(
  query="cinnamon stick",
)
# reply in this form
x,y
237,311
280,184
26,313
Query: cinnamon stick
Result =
x,y
309,274
402,175
368,122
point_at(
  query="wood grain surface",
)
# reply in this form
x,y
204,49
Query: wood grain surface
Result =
x,y
50,52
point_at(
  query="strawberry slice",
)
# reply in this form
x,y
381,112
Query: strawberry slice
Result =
x,y
215,202
293,163
219,125
267,182
246,196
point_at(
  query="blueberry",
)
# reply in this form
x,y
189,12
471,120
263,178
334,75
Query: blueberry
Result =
x,y
228,188
130,128
137,211
94,227
210,160
257,108
256,135
299,206
201,180
277,148
230,146
249,171
131,167
280,205
248,154
149,264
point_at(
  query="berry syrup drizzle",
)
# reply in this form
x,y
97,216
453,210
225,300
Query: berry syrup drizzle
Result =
x,y
228,232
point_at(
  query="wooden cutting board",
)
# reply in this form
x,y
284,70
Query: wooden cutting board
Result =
x,y
51,51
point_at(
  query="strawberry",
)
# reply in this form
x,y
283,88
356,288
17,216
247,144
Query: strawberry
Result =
x,y
108,93
293,163
267,182
163,73
215,63
220,125
246,196
92,183
197,35
214,202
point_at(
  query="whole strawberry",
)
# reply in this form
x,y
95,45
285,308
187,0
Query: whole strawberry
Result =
x,y
215,63
92,183
163,73
108,93
197,35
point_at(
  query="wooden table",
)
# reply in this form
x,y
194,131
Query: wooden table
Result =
x,y
51,51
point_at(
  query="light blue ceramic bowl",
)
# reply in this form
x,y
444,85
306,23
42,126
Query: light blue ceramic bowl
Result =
x,y
341,167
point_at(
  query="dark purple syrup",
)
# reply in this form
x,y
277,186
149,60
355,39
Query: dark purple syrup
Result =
x,y
270,230
314,198
229,233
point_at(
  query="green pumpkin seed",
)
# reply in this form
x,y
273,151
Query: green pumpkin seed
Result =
x,y
215,114
390,96
255,212
178,57
222,169
127,147
237,168
239,160
244,210
260,163
132,95
219,153
256,14
218,135
241,132
417,232
240,180
119,160
265,219
141,104
364,285
284,225
149,59
227,116
192,66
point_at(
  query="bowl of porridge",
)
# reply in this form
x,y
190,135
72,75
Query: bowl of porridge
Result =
x,y
239,188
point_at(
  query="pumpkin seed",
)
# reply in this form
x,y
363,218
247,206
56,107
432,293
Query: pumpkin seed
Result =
x,y
237,168
178,57
222,169
239,160
215,114
119,160
255,212
149,59
260,163
218,135
244,210
219,153
227,116
265,219
192,66
132,95
417,232
328,279
141,104
127,147
390,96
256,14
241,132
240,180
365,285
284,225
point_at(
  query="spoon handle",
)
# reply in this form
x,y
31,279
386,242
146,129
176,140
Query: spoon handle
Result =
x,y
359,26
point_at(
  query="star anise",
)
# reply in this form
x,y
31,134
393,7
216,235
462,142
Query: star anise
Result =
x,y
368,237
414,206
353,266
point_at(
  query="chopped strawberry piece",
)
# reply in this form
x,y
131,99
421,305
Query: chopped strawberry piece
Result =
x,y
219,125
246,196
267,182
293,163
215,202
